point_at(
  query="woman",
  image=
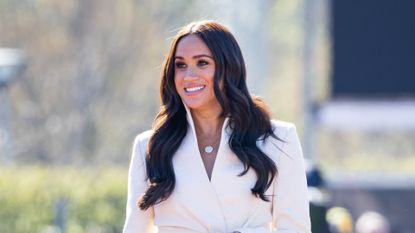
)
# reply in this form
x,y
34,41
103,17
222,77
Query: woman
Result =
x,y
214,161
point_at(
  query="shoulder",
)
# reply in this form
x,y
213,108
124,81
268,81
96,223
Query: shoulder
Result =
x,y
282,129
279,147
142,138
140,145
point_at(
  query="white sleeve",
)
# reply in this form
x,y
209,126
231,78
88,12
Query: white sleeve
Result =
x,y
290,203
137,220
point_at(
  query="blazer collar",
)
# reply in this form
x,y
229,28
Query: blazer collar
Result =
x,y
225,126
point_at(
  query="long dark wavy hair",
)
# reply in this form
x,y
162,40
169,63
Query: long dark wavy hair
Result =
x,y
248,116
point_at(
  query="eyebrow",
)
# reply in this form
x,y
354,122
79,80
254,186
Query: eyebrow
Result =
x,y
195,57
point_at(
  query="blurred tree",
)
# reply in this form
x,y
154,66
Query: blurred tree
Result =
x,y
93,73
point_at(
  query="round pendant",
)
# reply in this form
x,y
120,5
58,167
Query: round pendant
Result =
x,y
208,149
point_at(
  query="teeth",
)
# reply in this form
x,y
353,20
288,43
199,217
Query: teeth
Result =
x,y
194,89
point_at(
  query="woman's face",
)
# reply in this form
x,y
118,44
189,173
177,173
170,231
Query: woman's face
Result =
x,y
194,74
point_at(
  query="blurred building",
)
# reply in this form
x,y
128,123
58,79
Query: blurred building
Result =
x,y
372,92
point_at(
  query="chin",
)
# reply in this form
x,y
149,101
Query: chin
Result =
x,y
192,105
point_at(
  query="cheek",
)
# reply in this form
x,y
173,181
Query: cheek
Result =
x,y
177,82
210,74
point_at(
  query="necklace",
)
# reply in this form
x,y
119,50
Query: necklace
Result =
x,y
209,148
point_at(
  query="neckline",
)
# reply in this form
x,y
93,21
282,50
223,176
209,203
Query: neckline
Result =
x,y
192,125
223,137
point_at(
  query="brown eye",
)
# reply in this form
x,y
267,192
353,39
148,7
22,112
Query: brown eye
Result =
x,y
180,65
202,63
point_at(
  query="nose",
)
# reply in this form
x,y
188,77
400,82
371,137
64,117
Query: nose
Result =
x,y
190,74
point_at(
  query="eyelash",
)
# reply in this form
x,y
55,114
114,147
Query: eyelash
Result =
x,y
202,62
179,65
199,63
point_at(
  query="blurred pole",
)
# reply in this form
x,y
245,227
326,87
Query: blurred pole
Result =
x,y
11,62
309,29
6,147
61,212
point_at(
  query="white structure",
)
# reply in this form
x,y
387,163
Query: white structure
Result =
x,y
11,63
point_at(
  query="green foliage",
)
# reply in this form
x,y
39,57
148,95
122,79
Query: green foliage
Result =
x,y
94,198
92,76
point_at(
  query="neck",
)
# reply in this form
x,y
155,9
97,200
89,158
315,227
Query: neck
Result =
x,y
207,123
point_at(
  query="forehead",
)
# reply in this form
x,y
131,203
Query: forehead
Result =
x,y
190,46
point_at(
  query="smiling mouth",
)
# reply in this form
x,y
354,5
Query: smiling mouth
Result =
x,y
194,89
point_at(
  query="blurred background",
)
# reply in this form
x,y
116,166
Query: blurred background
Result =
x,y
79,79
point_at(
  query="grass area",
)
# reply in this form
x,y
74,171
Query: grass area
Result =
x,y
87,199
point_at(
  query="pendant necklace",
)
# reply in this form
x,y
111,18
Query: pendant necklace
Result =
x,y
209,147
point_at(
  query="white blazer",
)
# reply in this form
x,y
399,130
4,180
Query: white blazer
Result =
x,y
225,203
